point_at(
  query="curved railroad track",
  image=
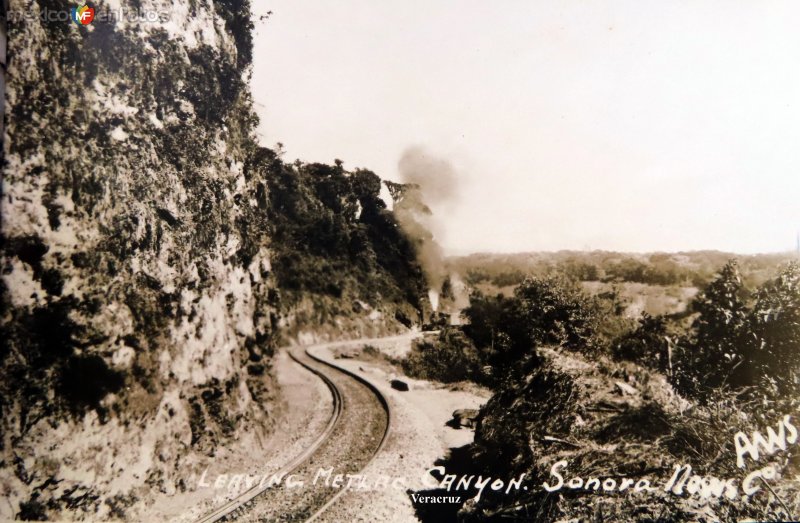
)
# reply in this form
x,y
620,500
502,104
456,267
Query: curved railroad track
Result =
x,y
355,433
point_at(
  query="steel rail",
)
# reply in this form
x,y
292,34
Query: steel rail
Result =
x,y
242,499
384,403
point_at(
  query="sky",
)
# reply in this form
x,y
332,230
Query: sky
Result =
x,y
636,125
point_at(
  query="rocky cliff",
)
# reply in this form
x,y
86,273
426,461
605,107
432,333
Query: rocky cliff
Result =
x,y
136,280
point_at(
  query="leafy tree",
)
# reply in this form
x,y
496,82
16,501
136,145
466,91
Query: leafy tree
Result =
x,y
366,187
505,279
612,323
578,270
774,337
490,319
733,344
716,346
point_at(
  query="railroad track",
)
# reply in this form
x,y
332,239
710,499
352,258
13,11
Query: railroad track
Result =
x,y
384,403
353,435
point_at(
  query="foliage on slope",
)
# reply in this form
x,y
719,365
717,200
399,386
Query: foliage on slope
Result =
x,y
607,423
609,411
332,237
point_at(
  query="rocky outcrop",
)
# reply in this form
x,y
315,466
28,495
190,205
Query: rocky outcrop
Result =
x,y
137,303
467,418
400,385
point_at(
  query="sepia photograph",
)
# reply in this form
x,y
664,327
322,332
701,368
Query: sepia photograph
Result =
x,y
373,261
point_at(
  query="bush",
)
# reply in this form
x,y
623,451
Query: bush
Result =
x,y
451,358
648,345
551,311
557,312
32,510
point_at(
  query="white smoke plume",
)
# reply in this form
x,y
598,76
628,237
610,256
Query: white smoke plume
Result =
x,y
427,179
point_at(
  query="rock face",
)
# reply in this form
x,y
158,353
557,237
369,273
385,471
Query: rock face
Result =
x,y
137,303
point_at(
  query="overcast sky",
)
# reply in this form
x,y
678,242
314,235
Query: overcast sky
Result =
x,y
634,126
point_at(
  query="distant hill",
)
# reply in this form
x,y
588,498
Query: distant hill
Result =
x,y
691,268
